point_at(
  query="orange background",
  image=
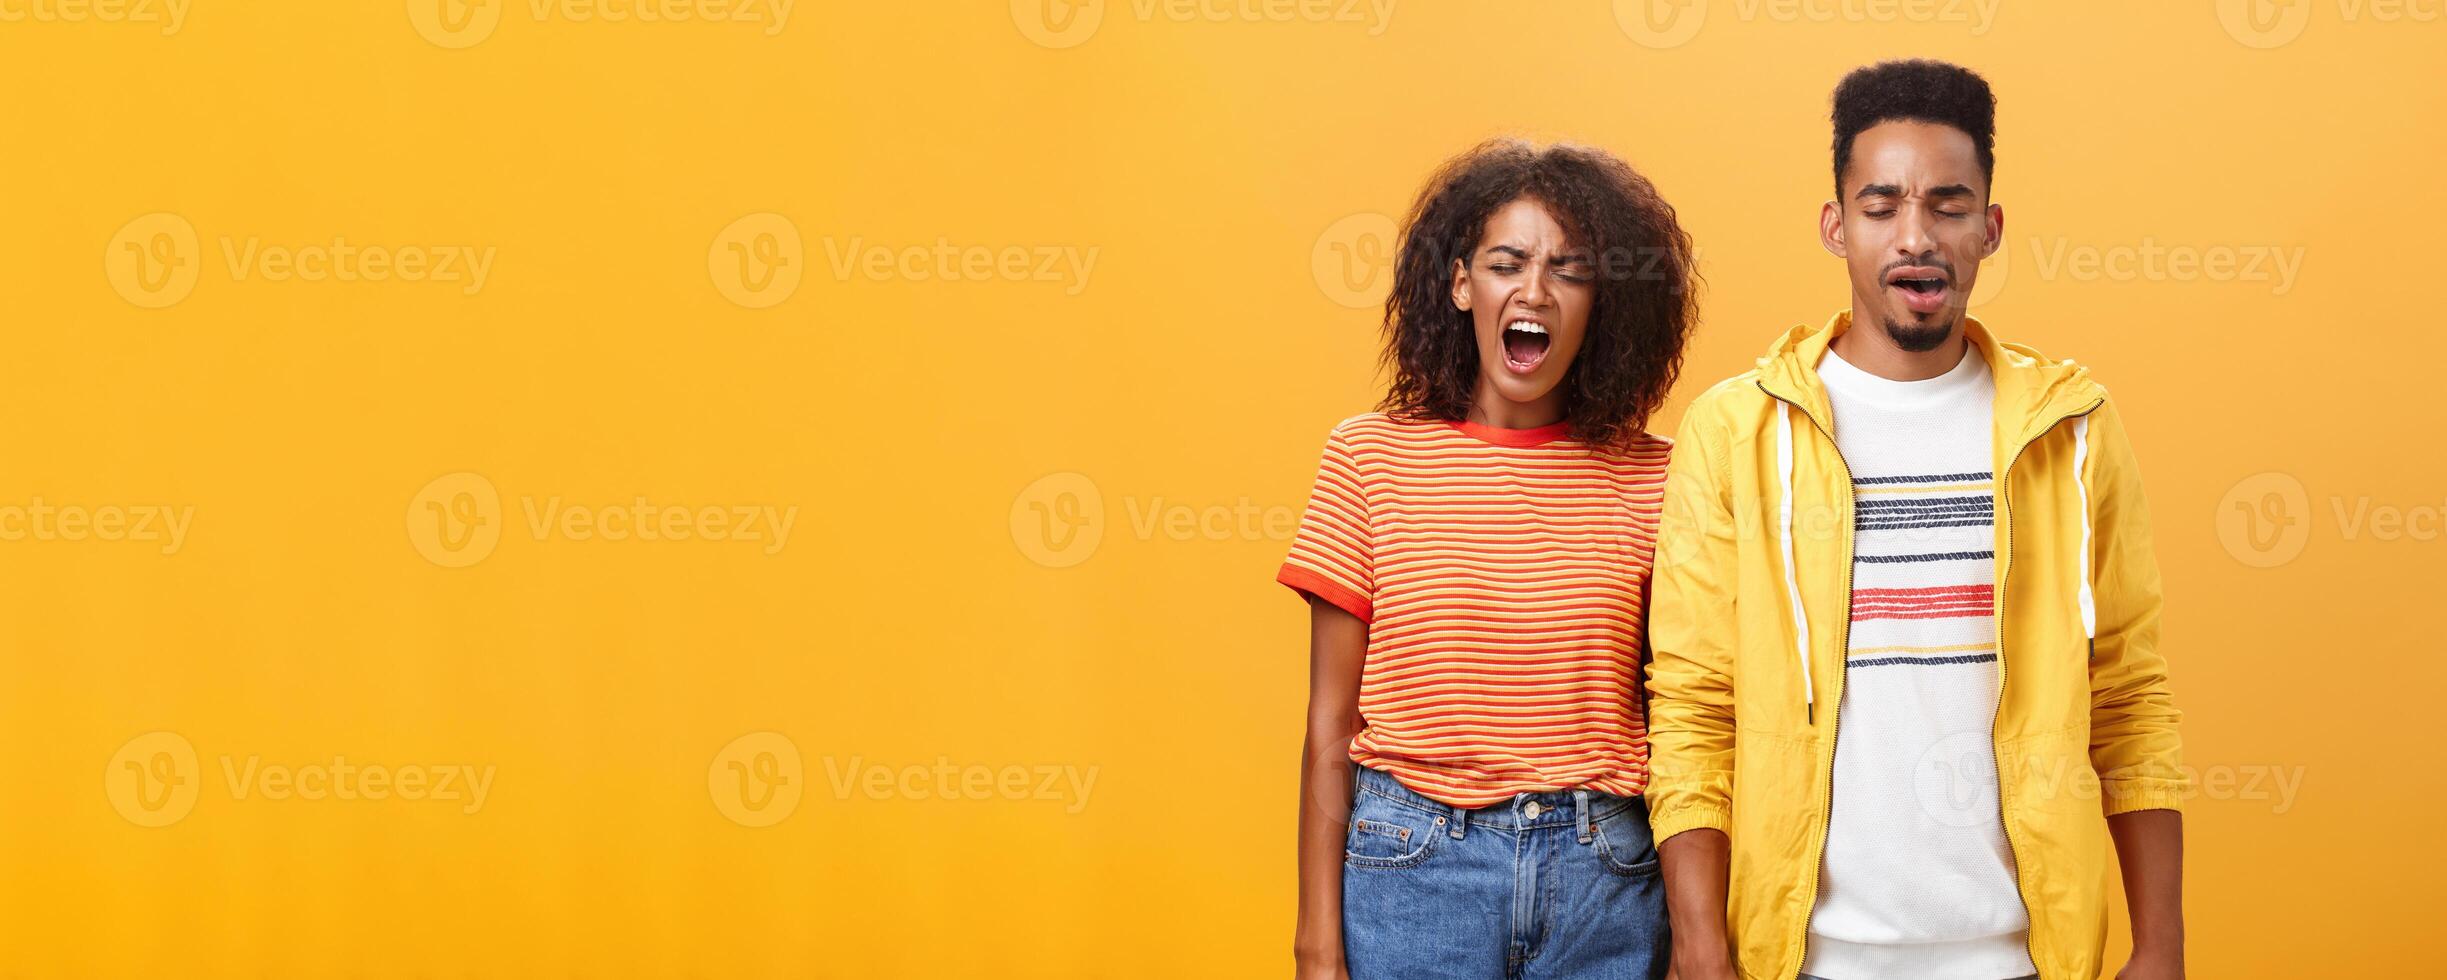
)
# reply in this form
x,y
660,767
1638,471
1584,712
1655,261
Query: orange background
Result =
x,y
681,305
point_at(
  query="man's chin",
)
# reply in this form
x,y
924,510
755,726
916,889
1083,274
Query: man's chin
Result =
x,y
1920,336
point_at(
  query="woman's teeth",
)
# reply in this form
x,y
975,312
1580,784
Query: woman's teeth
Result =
x,y
1525,343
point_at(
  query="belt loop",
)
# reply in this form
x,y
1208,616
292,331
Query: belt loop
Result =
x,y
1580,812
1456,820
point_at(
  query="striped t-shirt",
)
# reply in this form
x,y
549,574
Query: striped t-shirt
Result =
x,y
1503,574
1917,879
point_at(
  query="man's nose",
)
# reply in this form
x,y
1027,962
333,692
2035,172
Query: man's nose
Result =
x,y
1913,234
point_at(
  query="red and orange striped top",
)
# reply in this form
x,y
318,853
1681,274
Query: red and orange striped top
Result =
x,y
1503,574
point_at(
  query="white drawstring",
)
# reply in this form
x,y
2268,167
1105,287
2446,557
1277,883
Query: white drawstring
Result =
x,y
1792,581
2081,453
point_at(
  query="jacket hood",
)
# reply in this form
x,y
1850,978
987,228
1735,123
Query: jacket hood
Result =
x,y
2033,390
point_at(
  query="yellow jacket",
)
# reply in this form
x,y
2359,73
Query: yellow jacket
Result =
x,y
1747,627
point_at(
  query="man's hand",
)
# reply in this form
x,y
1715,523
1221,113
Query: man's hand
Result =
x,y
2150,965
1696,865
2150,851
1720,969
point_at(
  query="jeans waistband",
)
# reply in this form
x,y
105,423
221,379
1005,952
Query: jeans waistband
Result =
x,y
1569,808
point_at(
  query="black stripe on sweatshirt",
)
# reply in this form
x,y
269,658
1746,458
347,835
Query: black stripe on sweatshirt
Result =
x,y
1968,658
1931,478
1918,525
1982,502
1937,556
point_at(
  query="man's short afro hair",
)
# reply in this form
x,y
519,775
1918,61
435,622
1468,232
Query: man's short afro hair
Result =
x,y
1915,91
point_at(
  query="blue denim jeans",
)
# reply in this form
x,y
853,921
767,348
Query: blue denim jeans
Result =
x,y
1544,885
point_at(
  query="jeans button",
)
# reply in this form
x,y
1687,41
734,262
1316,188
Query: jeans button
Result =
x,y
1532,809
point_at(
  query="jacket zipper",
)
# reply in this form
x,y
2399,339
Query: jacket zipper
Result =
x,y
1835,726
2006,486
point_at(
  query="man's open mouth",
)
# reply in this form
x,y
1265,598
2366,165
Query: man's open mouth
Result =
x,y
1922,289
1524,345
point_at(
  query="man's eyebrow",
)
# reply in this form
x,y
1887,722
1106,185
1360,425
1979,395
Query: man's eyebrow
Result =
x,y
1948,191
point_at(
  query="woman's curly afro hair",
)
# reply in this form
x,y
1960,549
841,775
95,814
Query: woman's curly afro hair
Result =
x,y
1643,310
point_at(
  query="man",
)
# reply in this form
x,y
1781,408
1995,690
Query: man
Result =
x,y
1902,530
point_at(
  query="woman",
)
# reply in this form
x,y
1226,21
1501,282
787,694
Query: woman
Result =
x,y
1476,555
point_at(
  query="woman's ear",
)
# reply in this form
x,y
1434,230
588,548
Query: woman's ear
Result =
x,y
1461,285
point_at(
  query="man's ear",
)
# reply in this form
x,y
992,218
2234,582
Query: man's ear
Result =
x,y
1831,227
1461,285
1996,230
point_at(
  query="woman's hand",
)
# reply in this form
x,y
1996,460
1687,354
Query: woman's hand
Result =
x,y
1321,967
1338,642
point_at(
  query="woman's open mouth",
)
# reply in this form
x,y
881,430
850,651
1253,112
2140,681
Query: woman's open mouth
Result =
x,y
1524,345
